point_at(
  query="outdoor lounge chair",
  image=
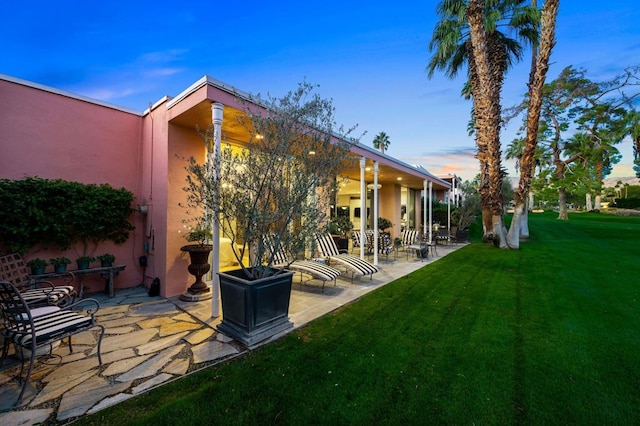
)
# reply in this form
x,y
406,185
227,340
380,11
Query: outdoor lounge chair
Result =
x,y
409,237
312,268
13,269
353,264
27,331
385,245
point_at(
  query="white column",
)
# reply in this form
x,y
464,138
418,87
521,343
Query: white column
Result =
x,y
363,207
217,110
425,221
449,210
376,231
430,211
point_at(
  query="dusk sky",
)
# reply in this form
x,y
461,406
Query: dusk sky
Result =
x,y
369,57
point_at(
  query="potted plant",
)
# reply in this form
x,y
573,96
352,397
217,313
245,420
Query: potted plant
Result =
x,y
383,224
272,186
199,257
37,266
106,259
60,263
84,261
339,226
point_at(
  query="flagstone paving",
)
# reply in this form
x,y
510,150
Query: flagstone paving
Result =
x,y
150,341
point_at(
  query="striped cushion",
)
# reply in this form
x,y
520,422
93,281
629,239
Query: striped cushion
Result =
x,y
328,248
409,237
49,326
316,269
53,295
355,264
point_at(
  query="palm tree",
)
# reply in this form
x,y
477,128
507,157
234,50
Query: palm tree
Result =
x,y
381,142
452,47
519,223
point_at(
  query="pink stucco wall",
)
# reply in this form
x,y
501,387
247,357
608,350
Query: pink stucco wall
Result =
x,y
53,135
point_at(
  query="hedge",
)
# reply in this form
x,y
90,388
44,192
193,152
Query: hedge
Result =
x,y
62,213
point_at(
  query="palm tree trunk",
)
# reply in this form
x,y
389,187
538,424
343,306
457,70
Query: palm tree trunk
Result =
x,y
527,161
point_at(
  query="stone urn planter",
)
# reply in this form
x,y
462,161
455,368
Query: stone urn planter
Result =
x,y
254,310
199,266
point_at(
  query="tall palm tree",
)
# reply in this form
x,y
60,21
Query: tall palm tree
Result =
x,y
519,226
452,47
381,141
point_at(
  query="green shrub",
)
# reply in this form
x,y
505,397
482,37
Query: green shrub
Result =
x,y
61,213
627,203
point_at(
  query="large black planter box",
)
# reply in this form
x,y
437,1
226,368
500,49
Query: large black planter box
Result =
x,y
253,311
462,235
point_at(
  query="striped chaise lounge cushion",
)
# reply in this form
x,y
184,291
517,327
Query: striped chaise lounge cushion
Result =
x,y
317,270
328,248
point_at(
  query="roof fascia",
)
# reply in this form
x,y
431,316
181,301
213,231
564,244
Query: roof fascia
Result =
x,y
66,94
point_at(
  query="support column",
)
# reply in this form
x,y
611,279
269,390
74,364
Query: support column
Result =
x,y
376,231
449,211
363,207
217,111
430,212
425,220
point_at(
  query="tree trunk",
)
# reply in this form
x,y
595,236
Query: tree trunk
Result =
x,y
562,204
524,224
536,84
487,122
598,203
587,202
513,236
487,225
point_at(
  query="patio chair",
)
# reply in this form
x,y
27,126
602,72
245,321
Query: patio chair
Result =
x,y
27,331
35,292
443,236
409,237
356,237
385,245
312,268
353,264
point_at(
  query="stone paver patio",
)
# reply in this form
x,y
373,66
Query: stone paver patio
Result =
x,y
150,341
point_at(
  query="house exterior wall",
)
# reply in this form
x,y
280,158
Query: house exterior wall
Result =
x,y
56,136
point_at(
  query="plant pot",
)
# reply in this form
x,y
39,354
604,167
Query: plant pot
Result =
x,y
254,310
462,235
341,242
37,271
83,265
106,264
199,266
58,269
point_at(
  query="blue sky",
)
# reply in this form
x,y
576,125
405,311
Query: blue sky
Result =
x,y
369,57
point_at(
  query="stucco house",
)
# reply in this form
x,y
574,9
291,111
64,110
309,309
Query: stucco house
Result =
x,y
54,134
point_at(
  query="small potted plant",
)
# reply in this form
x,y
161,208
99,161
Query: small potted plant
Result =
x,y
338,228
60,263
37,265
106,259
84,261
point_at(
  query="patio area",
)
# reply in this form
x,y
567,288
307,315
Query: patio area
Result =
x,y
152,340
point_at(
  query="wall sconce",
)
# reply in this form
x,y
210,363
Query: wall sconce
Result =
x,y
143,209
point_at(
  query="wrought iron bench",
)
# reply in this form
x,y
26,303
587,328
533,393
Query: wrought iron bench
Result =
x,y
26,330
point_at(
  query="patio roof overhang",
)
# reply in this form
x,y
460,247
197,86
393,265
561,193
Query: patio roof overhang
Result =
x,y
192,108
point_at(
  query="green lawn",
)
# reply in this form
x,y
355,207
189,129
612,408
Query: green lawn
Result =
x,y
548,334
